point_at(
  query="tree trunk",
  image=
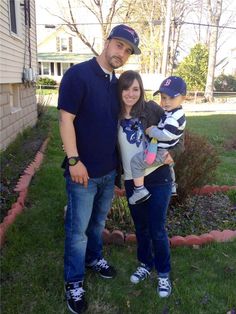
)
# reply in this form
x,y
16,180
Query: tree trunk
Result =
x,y
214,21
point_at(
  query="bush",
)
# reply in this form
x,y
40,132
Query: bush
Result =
x,y
196,166
225,83
46,82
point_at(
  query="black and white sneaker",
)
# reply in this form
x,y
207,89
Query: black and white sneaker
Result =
x,y
75,299
103,269
139,196
164,287
174,189
141,273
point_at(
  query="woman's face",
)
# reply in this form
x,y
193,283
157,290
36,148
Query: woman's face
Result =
x,y
131,95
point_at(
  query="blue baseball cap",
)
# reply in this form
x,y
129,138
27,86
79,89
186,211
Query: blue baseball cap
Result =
x,y
172,86
126,34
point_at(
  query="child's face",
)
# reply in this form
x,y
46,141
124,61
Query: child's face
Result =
x,y
169,103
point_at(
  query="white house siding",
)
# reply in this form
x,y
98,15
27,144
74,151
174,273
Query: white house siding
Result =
x,y
18,108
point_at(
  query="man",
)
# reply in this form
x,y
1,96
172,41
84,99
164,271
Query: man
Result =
x,y
89,109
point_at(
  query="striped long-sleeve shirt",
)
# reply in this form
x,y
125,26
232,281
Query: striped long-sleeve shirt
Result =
x,y
170,128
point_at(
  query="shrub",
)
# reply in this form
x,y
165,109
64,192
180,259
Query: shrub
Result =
x,y
196,166
225,83
46,82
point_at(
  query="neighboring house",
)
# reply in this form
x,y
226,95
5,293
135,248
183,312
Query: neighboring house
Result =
x,y
228,64
58,51
17,65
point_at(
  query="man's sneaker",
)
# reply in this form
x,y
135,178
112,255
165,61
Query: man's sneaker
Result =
x,y
103,269
75,297
139,196
164,287
140,274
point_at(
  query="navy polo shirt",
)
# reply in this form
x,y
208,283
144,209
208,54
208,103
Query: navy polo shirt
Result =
x,y
87,92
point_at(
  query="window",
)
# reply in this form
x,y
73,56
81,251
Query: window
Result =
x,y
64,44
15,11
46,67
52,68
59,69
65,66
40,68
13,16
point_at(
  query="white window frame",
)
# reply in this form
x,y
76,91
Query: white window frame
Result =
x,y
18,14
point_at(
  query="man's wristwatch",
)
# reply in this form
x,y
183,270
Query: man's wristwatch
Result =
x,y
72,161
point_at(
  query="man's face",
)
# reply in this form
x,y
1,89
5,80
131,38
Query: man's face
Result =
x,y
117,52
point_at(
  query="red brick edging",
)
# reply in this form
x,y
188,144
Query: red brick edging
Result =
x,y
116,236
22,188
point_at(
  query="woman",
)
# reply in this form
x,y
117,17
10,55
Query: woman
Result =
x,y
149,217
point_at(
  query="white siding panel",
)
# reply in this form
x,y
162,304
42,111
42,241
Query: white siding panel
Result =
x,y
14,51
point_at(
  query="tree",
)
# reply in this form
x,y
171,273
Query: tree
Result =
x,y
103,14
215,14
193,68
180,11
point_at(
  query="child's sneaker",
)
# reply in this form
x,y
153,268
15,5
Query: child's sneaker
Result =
x,y
140,274
174,189
164,287
151,152
139,196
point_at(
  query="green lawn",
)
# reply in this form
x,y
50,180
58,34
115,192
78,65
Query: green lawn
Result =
x,y
220,130
32,258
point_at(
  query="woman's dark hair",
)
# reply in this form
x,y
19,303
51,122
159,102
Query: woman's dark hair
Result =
x,y
125,81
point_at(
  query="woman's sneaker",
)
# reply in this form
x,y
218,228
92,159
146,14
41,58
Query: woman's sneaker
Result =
x,y
164,287
75,299
103,269
140,274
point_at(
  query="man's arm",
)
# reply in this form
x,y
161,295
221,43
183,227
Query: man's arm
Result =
x,y
78,172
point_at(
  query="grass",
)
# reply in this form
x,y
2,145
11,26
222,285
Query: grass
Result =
x,y
32,258
220,130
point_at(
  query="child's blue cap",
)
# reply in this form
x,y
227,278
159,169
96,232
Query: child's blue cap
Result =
x,y
172,86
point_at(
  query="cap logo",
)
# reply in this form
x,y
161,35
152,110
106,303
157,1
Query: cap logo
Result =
x,y
168,82
132,32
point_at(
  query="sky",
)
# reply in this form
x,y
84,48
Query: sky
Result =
x,y
226,41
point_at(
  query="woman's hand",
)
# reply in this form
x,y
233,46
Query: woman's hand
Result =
x,y
168,159
79,173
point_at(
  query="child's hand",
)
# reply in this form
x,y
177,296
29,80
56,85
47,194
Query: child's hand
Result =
x,y
148,130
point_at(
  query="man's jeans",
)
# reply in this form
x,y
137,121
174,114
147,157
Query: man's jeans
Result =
x,y
149,219
87,209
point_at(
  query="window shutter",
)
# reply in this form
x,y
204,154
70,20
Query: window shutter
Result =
x,y
70,44
58,44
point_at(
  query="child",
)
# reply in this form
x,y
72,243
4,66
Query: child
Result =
x,y
164,136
